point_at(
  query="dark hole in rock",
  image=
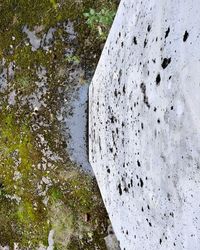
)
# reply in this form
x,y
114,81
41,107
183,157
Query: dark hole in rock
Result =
x,y
120,75
145,98
115,93
131,183
149,28
158,79
166,62
112,119
141,183
124,89
167,32
120,189
145,42
138,163
135,40
185,36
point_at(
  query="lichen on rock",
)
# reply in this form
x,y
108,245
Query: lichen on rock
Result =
x,y
46,51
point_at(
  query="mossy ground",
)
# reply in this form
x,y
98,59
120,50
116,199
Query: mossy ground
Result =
x,y
40,188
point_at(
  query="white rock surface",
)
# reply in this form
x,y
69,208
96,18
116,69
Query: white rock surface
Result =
x,y
145,124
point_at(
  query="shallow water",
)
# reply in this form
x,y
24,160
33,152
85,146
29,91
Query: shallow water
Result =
x,y
76,128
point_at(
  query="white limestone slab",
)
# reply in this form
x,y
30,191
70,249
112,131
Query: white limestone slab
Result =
x,y
144,124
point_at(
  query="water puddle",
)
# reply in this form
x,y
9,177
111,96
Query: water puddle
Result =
x,y
76,124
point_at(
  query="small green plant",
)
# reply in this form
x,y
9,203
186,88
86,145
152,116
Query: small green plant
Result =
x,y
55,194
100,21
23,81
72,59
54,4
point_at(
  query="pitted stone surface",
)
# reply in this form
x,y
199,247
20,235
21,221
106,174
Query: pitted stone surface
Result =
x,y
144,124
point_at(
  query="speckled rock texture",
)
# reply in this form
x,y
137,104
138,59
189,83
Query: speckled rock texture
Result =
x,y
49,200
145,124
